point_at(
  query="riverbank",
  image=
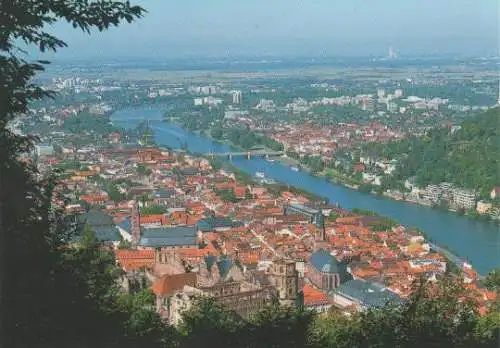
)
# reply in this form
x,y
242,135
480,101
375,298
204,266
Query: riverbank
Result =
x,y
455,263
340,179
473,240
334,176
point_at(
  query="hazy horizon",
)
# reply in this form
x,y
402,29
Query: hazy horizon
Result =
x,y
223,28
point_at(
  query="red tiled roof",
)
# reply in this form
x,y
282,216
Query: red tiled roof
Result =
x,y
210,236
224,185
193,253
211,249
154,218
195,205
199,253
193,219
313,297
239,191
274,211
91,199
131,260
166,285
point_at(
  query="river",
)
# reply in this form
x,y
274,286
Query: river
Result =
x,y
477,241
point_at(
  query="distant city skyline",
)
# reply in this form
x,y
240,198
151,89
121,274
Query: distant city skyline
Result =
x,y
226,28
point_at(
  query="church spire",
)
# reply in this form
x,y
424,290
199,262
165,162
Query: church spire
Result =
x,y
135,223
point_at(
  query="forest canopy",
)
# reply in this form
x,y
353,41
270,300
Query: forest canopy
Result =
x,y
468,157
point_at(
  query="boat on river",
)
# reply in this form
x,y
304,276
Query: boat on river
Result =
x,y
295,169
260,175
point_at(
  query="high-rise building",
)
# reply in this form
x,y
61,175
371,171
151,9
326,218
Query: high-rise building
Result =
x,y
398,93
498,101
380,92
205,90
236,97
392,54
367,104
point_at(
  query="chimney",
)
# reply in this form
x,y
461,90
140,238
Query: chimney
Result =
x,y
136,224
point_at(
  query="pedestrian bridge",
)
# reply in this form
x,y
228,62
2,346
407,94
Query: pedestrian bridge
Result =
x,y
246,154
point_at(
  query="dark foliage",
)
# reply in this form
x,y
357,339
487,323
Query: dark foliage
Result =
x,y
492,280
434,316
52,294
85,122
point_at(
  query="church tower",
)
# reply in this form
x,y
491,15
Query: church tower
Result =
x,y
320,224
135,224
285,279
320,240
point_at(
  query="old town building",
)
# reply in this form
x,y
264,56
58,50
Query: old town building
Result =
x,y
324,271
284,278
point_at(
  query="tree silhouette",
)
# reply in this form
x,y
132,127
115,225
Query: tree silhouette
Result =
x,y
492,280
51,295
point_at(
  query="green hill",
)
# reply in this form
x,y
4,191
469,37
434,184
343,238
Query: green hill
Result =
x,y
467,157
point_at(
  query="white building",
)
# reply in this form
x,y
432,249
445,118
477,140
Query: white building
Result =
x,y
398,93
414,99
367,104
380,92
409,183
392,54
237,97
233,114
423,262
483,207
432,193
420,105
210,101
464,198
205,90
392,107
44,150
266,105
372,179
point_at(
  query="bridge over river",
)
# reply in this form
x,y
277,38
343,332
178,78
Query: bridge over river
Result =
x,y
247,154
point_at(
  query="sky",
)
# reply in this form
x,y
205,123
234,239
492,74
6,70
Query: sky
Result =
x,y
229,28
